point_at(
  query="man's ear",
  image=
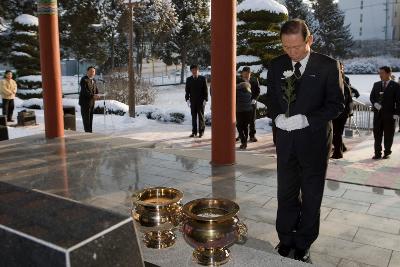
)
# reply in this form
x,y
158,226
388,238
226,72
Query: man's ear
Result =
x,y
310,40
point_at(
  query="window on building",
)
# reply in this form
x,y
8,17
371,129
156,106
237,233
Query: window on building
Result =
x,y
361,17
362,4
360,31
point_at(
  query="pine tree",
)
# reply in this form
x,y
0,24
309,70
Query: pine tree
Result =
x,y
335,37
82,34
258,38
191,32
25,56
154,21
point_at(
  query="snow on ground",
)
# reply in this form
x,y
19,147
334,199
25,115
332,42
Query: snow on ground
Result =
x,y
169,99
364,82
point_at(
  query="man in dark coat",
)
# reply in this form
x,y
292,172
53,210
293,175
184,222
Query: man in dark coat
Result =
x,y
244,111
340,122
305,92
385,99
196,97
255,93
87,97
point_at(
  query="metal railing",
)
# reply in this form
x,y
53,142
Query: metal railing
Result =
x,y
362,118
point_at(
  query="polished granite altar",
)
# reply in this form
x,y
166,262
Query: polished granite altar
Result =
x,y
37,229
91,169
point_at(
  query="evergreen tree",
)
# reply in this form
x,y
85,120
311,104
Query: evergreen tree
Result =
x,y
193,26
258,38
25,56
154,21
335,38
82,34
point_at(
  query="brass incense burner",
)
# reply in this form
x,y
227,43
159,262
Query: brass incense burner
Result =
x,y
210,226
157,213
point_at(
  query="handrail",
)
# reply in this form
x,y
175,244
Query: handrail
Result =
x,y
362,117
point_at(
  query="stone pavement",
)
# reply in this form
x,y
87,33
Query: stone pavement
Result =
x,y
360,225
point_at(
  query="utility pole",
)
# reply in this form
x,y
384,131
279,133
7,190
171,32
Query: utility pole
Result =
x,y
131,73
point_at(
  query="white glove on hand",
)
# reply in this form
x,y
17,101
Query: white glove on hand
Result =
x,y
253,101
396,117
188,103
204,103
297,122
281,121
292,123
378,106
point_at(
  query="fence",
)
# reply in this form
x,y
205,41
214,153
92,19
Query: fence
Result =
x,y
362,118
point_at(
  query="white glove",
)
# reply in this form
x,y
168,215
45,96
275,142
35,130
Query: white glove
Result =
x,y
378,106
188,103
204,103
292,123
396,117
297,122
253,101
281,121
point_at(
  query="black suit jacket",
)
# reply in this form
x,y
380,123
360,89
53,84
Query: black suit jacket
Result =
x,y
196,90
390,100
88,90
319,95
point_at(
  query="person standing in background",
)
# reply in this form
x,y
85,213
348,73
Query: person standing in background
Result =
x,y
87,97
196,97
244,111
255,93
8,88
385,99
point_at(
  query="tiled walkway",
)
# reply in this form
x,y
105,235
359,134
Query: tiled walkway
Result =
x,y
360,226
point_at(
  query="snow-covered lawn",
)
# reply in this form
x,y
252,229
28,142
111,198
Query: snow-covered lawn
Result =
x,y
169,99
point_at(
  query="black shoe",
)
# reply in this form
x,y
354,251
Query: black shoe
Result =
x,y
243,146
192,135
10,120
302,255
283,250
200,135
237,139
344,148
253,139
386,156
336,156
377,156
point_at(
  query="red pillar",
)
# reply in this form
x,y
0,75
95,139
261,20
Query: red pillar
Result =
x,y
223,73
51,68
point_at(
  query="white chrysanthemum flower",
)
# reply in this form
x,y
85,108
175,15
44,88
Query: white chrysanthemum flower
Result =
x,y
288,73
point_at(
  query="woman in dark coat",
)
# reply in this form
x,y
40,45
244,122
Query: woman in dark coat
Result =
x,y
243,111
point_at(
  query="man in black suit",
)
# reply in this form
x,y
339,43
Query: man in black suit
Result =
x,y
385,99
304,134
196,97
255,93
87,97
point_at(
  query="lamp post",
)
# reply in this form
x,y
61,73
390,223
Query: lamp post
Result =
x,y
131,72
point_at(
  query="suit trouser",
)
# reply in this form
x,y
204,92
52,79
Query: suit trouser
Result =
x,y
302,160
252,131
243,119
87,117
383,127
197,110
338,128
8,108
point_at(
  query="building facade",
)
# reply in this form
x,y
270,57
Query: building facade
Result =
x,y
372,19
